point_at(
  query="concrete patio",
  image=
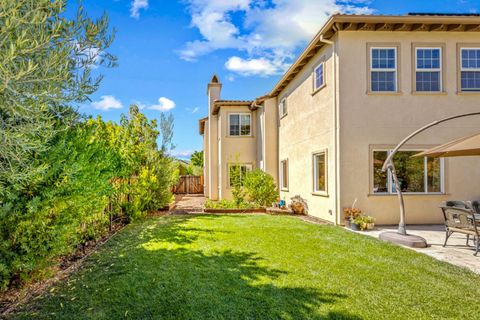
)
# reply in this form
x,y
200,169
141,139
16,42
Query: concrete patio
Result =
x,y
456,252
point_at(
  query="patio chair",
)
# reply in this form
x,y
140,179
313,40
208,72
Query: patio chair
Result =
x,y
461,220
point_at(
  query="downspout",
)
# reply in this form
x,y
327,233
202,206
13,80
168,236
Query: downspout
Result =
x,y
336,135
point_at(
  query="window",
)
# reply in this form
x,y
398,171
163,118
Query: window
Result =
x,y
416,175
320,172
237,172
470,69
383,69
240,124
428,68
282,107
318,77
284,174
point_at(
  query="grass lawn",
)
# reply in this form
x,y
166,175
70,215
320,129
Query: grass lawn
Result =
x,y
256,267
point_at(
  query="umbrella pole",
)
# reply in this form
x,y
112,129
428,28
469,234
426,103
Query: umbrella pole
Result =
x,y
402,228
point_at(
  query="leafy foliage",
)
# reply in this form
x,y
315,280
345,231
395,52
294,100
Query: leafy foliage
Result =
x,y
197,158
260,188
46,67
228,204
63,179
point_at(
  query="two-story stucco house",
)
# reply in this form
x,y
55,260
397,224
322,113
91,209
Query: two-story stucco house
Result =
x,y
362,84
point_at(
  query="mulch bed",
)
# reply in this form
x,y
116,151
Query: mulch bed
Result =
x,y
19,293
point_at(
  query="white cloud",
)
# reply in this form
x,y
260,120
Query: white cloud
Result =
x,y
182,154
107,102
249,67
164,104
135,7
268,32
193,110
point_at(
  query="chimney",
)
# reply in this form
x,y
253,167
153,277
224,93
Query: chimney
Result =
x,y
213,91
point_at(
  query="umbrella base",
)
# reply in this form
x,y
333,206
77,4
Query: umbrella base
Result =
x,y
408,240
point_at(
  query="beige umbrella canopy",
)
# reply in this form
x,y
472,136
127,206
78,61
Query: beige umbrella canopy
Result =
x,y
466,146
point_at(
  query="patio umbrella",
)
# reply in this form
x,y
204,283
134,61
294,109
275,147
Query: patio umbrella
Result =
x,y
466,146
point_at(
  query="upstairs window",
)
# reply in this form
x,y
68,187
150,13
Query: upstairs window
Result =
x,y
383,69
240,124
282,107
237,173
470,69
318,77
428,70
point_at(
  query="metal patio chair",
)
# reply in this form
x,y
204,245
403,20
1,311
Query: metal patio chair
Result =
x,y
461,220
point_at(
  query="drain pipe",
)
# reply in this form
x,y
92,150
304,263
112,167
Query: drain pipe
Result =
x,y
336,128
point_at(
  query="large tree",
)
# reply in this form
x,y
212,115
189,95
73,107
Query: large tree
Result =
x,y
46,70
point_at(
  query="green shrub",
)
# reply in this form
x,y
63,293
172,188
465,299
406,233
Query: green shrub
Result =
x,y
228,204
260,188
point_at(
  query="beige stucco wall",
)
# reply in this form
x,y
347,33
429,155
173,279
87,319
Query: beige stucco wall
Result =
x,y
308,128
371,120
234,149
206,163
270,140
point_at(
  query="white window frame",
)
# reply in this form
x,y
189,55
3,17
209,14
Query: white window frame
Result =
x,y
395,70
248,166
314,164
317,87
439,70
284,186
390,183
467,69
240,114
282,108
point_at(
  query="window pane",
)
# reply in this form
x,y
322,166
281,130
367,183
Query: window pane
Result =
x,y
237,174
380,180
319,76
410,171
428,81
234,124
470,80
428,58
284,174
320,172
470,58
245,125
383,81
383,58
433,175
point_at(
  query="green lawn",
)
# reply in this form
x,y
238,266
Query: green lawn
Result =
x,y
257,267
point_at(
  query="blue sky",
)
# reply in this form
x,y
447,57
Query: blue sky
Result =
x,y
167,50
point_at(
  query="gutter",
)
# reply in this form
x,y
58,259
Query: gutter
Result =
x,y
336,142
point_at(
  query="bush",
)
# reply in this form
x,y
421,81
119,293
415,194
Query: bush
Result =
x,y
228,204
91,171
260,188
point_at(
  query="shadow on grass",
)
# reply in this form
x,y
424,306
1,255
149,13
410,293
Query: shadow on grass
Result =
x,y
131,279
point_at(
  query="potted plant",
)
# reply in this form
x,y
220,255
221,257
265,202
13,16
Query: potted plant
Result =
x,y
356,223
368,222
350,214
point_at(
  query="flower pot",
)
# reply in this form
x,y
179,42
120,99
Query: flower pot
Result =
x,y
370,226
347,223
354,226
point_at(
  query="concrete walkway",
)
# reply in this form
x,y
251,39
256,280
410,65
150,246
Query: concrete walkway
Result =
x,y
456,252
188,203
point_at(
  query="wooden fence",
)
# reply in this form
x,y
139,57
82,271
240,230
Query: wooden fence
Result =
x,y
189,184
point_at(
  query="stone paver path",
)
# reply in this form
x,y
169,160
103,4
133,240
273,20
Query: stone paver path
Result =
x,y
188,203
